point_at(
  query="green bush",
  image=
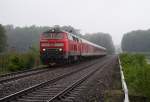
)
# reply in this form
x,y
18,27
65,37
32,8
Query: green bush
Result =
x,y
21,61
137,74
14,63
28,60
11,62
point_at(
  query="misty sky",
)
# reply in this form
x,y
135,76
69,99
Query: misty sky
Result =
x,y
115,17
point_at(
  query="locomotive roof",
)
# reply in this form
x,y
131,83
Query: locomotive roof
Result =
x,y
54,30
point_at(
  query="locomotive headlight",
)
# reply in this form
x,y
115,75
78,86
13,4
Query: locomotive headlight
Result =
x,y
60,49
44,49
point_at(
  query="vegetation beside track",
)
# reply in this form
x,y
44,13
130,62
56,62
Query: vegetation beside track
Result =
x,y
11,62
137,74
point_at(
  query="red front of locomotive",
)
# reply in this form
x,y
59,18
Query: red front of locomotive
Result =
x,y
53,46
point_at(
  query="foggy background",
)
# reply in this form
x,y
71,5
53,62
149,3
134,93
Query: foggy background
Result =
x,y
115,17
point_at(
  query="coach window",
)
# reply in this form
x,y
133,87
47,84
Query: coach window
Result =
x,y
74,38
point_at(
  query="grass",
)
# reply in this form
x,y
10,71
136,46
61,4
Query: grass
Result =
x,y
12,62
137,74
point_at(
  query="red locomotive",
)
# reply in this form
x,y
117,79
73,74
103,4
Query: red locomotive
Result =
x,y
58,46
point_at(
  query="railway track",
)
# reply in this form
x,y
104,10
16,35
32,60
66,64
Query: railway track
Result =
x,y
26,73
73,92
14,86
61,95
56,88
17,75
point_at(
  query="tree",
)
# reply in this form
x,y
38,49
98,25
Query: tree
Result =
x,y
2,38
21,39
136,41
102,39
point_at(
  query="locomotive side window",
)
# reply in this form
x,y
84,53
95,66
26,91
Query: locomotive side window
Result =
x,y
75,39
70,37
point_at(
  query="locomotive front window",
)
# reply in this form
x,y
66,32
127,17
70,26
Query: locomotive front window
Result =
x,y
53,35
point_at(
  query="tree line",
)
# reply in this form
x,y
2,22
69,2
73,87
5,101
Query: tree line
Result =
x,y
21,39
102,39
2,38
136,41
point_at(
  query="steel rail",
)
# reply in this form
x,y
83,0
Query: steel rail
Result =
x,y
16,75
24,74
75,84
20,72
30,89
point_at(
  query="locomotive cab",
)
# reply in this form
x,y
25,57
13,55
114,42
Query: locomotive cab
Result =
x,y
53,46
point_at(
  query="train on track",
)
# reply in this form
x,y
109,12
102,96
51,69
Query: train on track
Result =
x,y
58,46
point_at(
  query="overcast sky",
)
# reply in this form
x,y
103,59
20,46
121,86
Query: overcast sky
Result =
x,y
115,17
